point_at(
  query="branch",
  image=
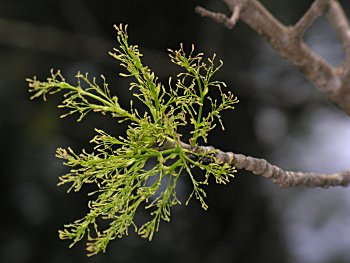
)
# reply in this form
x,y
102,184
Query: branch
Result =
x,y
220,18
339,21
280,177
288,42
316,10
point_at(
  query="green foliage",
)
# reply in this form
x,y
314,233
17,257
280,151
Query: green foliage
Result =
x,y
128,171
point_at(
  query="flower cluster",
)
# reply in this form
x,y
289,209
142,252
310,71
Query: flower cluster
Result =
x,y
128,171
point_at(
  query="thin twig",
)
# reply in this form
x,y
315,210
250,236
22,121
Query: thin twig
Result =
x,y
235,15
219,17
316,10
280,177
339,21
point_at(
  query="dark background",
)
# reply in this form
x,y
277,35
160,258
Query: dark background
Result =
x,y
249,220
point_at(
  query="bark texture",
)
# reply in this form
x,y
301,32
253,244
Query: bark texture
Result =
x,y
280,177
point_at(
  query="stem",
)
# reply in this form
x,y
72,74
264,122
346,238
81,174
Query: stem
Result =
x,y
103,101
155,98
140,69
156,153
199,117
174,165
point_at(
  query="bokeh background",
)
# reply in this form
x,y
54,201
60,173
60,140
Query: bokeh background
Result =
x,y
280,117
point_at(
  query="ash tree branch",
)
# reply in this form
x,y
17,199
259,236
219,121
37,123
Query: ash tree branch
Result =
x,y
315,11
288,42
220,18
280,177
340,22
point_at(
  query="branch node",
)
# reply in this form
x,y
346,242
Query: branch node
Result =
x,y
228,22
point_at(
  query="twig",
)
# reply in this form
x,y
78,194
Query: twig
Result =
x,y
316,10
284,179
219,17
288,42
339,21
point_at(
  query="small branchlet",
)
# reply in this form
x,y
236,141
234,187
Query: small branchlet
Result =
x,y
128,171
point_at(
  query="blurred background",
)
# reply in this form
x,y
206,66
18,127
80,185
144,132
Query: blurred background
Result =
x,y
280,117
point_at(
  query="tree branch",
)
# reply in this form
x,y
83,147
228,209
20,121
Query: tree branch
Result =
x,y
287,41
339,21
220,18
316,10
280,177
